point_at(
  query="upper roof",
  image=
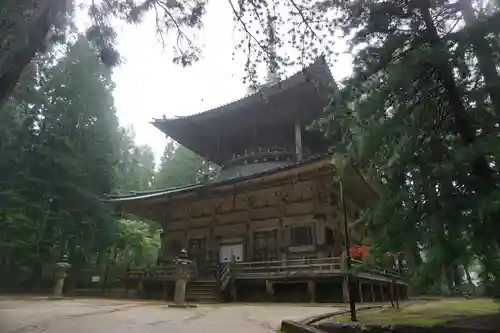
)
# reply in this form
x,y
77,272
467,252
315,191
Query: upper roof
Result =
x,y
215,134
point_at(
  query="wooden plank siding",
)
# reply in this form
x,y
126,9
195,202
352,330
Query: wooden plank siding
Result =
x,y
309,199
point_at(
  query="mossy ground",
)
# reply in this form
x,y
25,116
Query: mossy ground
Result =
x,y
432,312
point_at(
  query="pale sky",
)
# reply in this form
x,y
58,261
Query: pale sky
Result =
x,y
149,85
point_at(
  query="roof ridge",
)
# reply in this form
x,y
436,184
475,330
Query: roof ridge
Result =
x,y
319,61
145,192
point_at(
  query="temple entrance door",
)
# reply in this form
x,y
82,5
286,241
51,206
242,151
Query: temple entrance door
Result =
x,y
265,245
228,252
196,250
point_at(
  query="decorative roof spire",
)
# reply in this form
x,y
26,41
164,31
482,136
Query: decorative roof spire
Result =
x,y
272,76
272,65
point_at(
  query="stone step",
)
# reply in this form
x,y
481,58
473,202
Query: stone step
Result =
x,y
210,299
203,300
202,287
202,294
203,291
204,283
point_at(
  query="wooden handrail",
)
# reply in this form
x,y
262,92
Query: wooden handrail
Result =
x,y
334,260
233,270
164,271
314,264
225,277
378,270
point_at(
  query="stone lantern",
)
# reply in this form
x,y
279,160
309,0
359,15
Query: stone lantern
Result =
x,y
182,277
61,271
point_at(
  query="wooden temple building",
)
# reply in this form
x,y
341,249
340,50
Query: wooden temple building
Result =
x,y
270,225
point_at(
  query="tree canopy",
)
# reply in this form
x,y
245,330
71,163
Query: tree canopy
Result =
x,y
62,149
420,110
180,166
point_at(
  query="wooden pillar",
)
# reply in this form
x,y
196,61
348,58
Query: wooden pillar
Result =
x,y
269,290
298,141
360,285
319,230
127,290
140,286
234,292
397,294
382,295
165,291
345,289
372,292
281,235
248,246
311,288
391,293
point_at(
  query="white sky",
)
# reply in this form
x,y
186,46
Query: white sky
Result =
x,y
149,85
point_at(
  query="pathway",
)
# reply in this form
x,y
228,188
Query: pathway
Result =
x,y
35,315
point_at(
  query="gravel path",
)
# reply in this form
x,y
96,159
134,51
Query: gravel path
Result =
x,y
35,315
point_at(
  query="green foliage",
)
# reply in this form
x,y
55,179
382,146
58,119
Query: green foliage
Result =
x,y
136,166
137,243
180,166
405,113
62,149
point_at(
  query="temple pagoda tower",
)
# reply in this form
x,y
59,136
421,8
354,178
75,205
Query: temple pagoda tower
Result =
x,y
265,130
274,216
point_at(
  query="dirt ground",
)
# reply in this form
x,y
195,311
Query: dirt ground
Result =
x,y
38,314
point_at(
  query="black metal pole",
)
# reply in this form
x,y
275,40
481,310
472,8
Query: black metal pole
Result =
x,y
352,304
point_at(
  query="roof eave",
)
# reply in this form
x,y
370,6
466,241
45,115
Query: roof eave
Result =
x,y
190,188
245,102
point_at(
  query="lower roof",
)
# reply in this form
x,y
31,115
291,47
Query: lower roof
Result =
x,y
351,189
169,192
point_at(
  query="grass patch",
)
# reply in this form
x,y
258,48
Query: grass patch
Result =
x,y
428,313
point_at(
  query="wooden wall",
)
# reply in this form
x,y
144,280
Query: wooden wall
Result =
x,y
235,216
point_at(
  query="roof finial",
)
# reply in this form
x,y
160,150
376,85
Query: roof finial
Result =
x,y
272,65
272,62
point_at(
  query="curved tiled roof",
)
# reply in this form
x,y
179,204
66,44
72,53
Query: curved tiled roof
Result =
x,y
142,195
319,69
218,133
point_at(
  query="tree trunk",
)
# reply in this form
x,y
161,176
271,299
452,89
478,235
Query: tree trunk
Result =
x,y
468,276
482,174
457,275
485,182
445,286
484,54
19,55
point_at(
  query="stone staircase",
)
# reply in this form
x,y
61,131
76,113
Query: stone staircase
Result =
x,y
202,291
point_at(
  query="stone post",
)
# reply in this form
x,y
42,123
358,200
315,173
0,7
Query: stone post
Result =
x,y
181,279
60,275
